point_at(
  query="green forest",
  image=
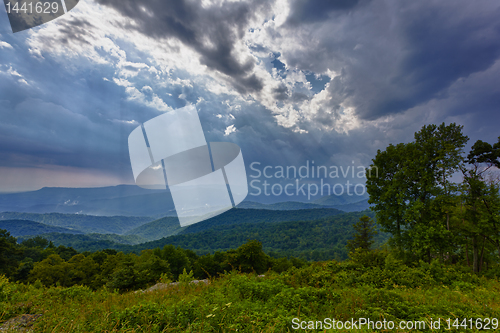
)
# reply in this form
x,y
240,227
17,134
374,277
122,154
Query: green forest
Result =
x,y
428,253
321,239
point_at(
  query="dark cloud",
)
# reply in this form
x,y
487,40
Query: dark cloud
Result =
x,y
421,62
441,46
281,92
211,31
313,11
392,57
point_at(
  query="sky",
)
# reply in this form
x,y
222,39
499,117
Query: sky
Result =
x,y
289,81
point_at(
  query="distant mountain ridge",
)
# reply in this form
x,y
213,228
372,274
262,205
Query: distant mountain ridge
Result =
x,y
125,200
131,200
327,235
296,205
343,199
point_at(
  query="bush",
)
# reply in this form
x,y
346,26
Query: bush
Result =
x,y
6,289
185,277
368,258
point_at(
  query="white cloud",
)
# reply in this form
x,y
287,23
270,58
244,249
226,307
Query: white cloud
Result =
x,y
125,122
5,45
230,129
154,102
121,82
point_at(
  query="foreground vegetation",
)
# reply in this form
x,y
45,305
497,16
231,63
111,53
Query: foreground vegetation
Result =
x,y
372,285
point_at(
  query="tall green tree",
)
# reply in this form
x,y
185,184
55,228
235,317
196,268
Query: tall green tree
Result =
x,y
9,253
412,193
481,201
363,237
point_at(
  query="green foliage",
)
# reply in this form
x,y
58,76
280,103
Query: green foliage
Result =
x,y
248,303
35,242
428,215
480,204
363,237
125,277
412,190
51,271
5,288
186,277
165,278
129,239
367,258
9,254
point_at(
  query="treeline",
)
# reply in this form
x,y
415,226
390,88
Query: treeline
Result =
x,y
38,261
429,215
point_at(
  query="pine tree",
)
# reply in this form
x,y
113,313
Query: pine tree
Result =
x,y
363,238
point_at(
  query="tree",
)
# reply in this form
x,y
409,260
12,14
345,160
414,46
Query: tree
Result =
x,y
151,267
83,270
388,190
412,195
51,271
9,253
176,258
125,277
363,238
249,257
36,242
481,201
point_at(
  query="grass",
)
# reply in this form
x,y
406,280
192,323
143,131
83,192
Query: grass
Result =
x,y
239,302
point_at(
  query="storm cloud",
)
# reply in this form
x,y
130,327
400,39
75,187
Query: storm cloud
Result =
x,y
287,80
211,31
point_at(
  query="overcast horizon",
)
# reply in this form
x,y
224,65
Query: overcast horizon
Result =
x,y
289,81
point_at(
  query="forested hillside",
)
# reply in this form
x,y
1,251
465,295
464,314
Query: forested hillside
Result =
x,y
164,227
83,223
240,216
321,239
24,228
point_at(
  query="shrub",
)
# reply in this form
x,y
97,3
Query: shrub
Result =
x,y
6,289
